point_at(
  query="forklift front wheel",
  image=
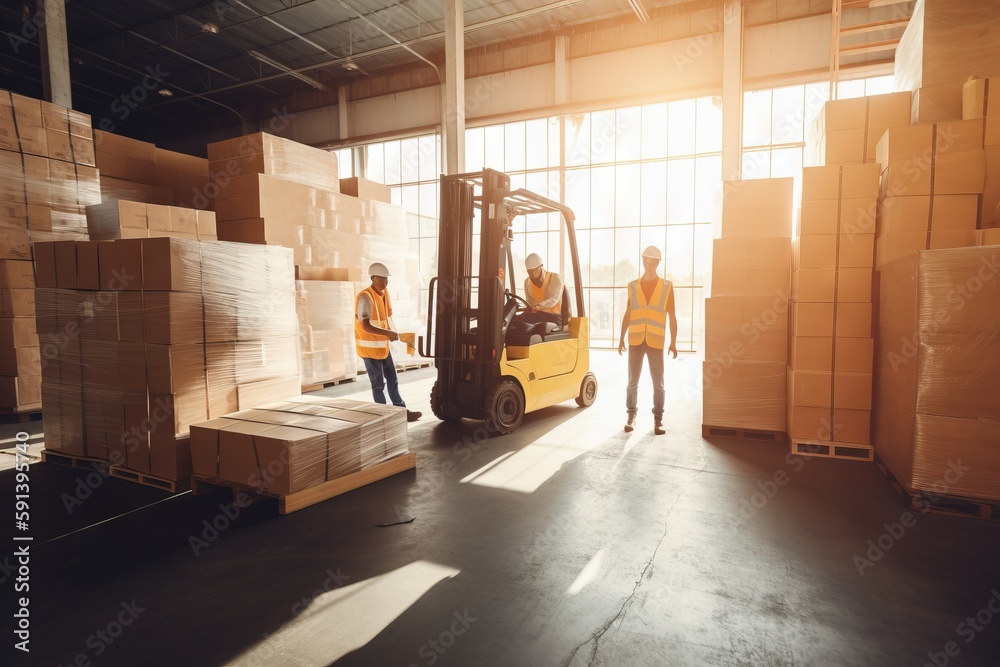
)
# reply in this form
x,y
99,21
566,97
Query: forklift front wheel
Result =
x,y
504,408
588,391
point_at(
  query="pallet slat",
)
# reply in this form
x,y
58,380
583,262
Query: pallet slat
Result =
x,y
739,433
173,486
833,450
946,505
329,383
316,494
71,460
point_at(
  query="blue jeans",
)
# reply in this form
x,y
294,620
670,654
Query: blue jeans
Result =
x,y
382,372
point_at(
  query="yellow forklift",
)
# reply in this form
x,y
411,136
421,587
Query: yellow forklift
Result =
x,y
490,365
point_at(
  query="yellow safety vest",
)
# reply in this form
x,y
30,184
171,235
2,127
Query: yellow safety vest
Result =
x,y
539,294
648,321
368,345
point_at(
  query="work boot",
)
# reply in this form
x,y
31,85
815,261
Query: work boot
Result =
x,y
658,428
412,416
630,424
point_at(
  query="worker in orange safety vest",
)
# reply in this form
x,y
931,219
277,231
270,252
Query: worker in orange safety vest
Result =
x,y
650,303
543,292
372,334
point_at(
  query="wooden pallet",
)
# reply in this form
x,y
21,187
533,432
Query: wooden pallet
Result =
x,y
162,483
739,433
832,450
313,495
328,383
402,368
944,504
72,460
20,416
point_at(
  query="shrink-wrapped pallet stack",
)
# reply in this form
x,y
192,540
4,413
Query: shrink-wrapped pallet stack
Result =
x,y
831,344
149,336
937,418
284,193
746,318
47,178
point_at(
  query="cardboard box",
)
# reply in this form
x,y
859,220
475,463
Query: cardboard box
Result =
x,y
904,214
20,361
834,182
173,317
728,254
132,370
818,217
362,187
757,223
173,414
989,236
854,285
853,355
127,258
856,251
758,194
242,447
749,283
893,246
158,217
811,354
958,136
843,147
171,264
908,143
18,331
854,320
934,104
960,173
17,302
852,426
131,318
175,369
744,395
88,265
940,239
808,423
816,251
259,393
845,114
814,285
749,329
852,391
811,319
21,392
65,258
16,274
810,389
184,221
170,457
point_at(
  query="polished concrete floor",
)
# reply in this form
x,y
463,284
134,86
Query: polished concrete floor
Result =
x,y
566,543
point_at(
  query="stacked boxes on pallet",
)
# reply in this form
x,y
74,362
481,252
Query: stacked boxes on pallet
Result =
x,y
831,346
121,219
933,177
937,418
47,177
156,334
746,318
284,193
283,448
136,170
847,131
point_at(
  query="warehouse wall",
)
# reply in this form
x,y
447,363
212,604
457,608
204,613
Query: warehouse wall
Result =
x,y
776,52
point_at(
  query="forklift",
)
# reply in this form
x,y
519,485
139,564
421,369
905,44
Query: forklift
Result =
x,y
490,366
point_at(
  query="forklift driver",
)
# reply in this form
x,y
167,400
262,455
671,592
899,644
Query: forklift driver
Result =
x,y
543,291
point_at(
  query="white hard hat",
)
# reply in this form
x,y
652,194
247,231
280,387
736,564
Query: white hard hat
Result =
x,y
652,252
378,269
533,261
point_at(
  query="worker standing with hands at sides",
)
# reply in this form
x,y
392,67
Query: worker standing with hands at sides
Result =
x,y
650,302
372,334
543,292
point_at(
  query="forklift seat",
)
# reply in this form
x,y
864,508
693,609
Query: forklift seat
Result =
x,y
521,334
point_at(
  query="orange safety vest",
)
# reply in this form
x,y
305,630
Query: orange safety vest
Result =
x,y
368,345
539,294
648,321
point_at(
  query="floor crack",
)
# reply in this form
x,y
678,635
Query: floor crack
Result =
x,y
623,610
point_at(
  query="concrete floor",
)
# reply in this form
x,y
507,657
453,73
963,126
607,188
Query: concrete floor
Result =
x,y
566,543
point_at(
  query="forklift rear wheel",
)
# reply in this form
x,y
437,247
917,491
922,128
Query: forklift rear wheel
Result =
x,y
588,391
504,408
436,408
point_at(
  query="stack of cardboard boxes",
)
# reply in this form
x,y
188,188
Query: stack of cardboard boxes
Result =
x,y
120,219
148,336
47,178
981,101
283,193
831,345
746,318
847,131
139,171
937,418
945,42
933,177
307,441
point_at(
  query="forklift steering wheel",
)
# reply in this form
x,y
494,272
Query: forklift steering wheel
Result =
x,y
527,306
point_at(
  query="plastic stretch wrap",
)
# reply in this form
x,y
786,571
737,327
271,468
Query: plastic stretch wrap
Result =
x,y
290,446
945,42
123,219
190,331
937,401
47,174
263,153
744,394
326,330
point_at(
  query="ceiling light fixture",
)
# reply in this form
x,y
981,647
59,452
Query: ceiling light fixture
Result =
x,y
639,9
165,92
210,28
79,61
351,66
298,75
